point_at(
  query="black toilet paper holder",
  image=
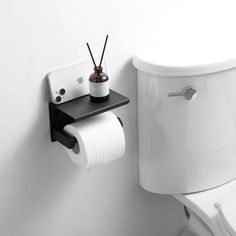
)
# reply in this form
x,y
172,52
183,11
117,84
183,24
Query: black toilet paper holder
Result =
x,y
77,110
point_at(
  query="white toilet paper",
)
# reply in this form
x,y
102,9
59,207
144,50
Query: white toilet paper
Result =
x,y
100,140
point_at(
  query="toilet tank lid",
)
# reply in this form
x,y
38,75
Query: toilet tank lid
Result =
x,y
176,64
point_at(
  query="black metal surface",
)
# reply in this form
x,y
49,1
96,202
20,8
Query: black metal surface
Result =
x,y
76,110
186,211
64,139
121,122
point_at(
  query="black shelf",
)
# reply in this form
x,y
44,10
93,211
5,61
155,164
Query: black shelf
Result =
x,y
76,110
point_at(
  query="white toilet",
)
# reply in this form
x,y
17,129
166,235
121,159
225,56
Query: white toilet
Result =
x,y
187,136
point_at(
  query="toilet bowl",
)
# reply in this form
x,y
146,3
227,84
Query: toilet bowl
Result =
x,y
187,136
212,212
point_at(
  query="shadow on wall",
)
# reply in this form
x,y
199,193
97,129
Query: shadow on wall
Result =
x,y
125,78
125,82
37,174
155,214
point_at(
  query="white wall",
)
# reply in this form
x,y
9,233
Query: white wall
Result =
x,y
42,193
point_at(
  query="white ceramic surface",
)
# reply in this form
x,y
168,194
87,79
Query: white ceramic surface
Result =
x,y
207,206
227,215
186,146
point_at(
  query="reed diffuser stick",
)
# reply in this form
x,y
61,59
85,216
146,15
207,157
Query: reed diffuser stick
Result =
x,y
91,55
103,51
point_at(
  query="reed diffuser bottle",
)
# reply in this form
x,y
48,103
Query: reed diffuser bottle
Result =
x,y
98,85
98,81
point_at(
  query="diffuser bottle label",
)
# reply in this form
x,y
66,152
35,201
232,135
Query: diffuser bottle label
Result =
x,y
99,89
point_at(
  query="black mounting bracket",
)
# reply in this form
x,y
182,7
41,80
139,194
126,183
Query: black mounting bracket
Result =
x,y
76,110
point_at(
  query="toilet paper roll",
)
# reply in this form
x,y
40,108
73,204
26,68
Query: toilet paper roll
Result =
x,y
100,140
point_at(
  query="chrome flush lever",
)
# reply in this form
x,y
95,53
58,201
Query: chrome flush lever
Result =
x,y
188,93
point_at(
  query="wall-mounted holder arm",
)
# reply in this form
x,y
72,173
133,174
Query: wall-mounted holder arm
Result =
x,y
76,110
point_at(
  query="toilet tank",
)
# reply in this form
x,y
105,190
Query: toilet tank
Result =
x,y
186,145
